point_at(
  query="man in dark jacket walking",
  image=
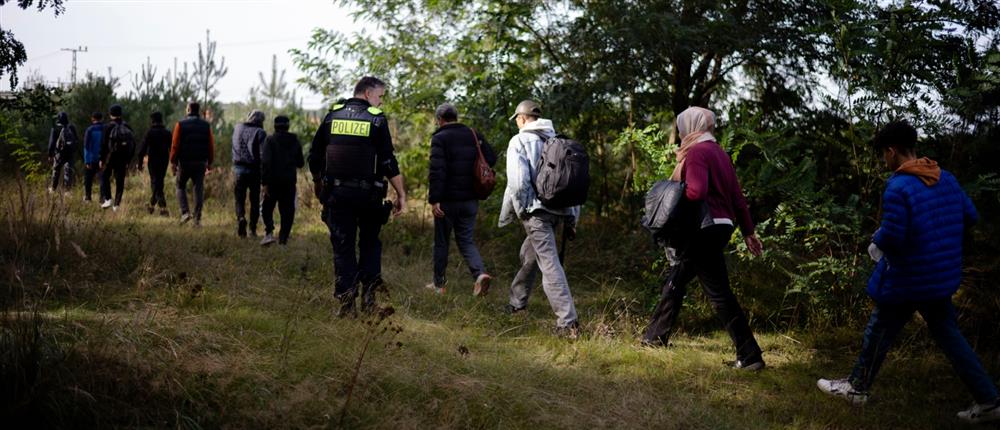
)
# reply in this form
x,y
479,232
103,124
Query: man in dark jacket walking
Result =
x,y
280,156
454,150
92,138
918,250
62,146
117,149
191,155
247,138
156,149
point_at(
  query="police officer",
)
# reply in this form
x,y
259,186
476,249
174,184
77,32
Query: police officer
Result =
x,y
351,155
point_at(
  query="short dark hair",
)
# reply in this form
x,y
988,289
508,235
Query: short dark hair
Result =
x,y
366,83
194,107
97,116
282,123
897,134
446,112
156,117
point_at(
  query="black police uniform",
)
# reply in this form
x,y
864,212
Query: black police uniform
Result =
x,y
352,153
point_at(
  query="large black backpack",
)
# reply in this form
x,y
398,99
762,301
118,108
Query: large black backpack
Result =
x,y
120,138
563,174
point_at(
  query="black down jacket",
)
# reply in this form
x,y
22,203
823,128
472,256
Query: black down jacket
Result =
x,y
453,158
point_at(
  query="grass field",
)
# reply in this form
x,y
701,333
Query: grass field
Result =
x,y
123,319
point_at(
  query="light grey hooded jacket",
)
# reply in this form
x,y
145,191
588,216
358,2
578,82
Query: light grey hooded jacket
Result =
x,y
524,153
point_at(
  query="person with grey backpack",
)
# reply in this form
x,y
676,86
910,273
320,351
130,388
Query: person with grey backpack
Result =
x,y
62,146
547,181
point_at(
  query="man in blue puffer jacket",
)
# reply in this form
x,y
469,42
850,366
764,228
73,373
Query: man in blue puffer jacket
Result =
x,y
918,249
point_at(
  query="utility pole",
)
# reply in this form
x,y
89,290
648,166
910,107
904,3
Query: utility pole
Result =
x,y
72,75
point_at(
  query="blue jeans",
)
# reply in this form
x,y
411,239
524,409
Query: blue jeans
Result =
x,y
887,321
460,216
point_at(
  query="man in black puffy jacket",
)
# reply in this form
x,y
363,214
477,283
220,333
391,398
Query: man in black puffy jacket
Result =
x,y
452,196
156,150
280,156
247,138
192,152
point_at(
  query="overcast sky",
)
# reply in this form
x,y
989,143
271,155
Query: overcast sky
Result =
x,y
122,33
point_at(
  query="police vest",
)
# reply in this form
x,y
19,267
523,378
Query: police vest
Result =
x,y
350,152
195,135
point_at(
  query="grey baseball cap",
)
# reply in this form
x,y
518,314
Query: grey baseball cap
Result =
x,y
527,107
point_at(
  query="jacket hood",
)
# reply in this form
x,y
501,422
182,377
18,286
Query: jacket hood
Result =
x,y
925,169
540,125
63,118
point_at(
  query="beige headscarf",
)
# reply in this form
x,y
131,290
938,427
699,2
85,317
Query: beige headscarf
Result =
x,y
694,125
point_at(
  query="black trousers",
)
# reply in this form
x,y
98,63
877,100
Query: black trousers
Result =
x,y
355,219
157,175
89,172
62,167
704,258
247,180
115,168
193,171
282,195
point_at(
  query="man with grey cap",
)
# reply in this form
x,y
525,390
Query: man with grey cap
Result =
x,y
247,139
521,203
455,149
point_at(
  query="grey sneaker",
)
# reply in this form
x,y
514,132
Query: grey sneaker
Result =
x,y
844,389
268,239
185,217
571,331
482,285
981,413
751,366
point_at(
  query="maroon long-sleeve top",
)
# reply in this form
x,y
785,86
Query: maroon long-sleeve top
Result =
x,y
710,176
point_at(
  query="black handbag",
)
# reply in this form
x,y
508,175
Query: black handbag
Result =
x,y
670,218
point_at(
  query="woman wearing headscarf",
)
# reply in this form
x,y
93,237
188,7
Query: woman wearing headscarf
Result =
x,y
710,177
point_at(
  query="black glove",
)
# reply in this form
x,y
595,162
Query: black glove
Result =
x,y
570,231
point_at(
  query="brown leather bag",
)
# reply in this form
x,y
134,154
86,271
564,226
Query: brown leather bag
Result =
x,y
486,178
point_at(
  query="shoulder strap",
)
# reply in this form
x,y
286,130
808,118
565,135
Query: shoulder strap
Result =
x,y
475,137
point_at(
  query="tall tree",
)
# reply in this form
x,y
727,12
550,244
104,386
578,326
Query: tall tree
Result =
x,y
207,71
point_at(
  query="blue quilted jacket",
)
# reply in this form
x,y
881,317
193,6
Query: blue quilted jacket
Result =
x,y
921,236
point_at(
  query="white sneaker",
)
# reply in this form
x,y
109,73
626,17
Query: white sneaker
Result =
x,y
980,413
268,239
114,208
482,285
842,388
106,204
433,286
